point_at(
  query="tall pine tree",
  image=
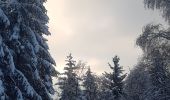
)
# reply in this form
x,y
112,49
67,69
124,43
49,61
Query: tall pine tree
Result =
x,y
115,79
25,63
69,83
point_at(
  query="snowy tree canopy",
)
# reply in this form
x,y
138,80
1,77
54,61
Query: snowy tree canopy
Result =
x,y
69,83
153,37
90,86
155,43
115,79
138,82
162,5
26,65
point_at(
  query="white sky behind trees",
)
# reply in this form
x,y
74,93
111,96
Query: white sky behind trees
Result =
x,y
96,30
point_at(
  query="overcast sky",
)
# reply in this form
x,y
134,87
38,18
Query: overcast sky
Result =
x,y
96,30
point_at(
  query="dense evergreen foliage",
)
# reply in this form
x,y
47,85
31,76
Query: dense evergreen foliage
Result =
x,y
137,82
26,65
90,86
115,80
69,83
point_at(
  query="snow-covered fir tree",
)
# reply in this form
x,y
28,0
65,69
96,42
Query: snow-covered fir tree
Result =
x,y
69,83
25,63
115,80
90,86
103,91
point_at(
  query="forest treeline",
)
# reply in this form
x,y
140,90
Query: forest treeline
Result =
x,y
27,68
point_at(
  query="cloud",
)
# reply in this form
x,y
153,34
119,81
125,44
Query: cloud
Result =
x,y
96,30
